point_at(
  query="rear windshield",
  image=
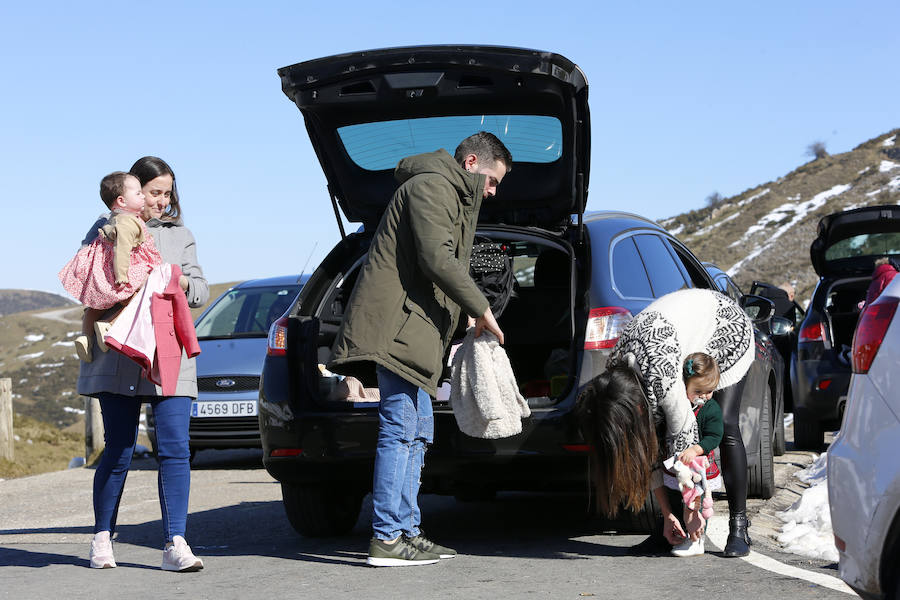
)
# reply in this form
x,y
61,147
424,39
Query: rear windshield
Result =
x,y
867,244
381,145
246,312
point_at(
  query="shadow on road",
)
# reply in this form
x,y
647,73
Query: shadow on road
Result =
x,y
519,525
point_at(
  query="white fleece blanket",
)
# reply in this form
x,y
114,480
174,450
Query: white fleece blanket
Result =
x,y
483,391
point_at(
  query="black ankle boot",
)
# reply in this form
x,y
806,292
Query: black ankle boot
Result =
x,y
738,539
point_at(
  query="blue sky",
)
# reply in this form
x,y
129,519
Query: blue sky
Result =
x,y
686,99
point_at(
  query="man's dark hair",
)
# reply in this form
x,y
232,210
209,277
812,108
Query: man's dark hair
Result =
x,y
112,186
486,146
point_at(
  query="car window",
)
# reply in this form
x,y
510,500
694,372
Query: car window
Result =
x,y
728,288
866,244
380,145
691,270
665,274
246,312
628,273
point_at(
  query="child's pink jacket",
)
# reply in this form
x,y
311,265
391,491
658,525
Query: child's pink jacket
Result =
x,y
155,327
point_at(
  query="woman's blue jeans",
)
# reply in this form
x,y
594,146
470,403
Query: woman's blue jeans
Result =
x,y
406,426
120,429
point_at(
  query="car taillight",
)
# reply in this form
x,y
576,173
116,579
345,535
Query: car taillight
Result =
x,y
277,344
870,331
282,452
604,327
814,332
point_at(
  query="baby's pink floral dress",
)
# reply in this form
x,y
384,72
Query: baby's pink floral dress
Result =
x,y
90,278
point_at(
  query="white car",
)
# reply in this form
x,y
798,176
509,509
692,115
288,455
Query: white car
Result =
x,y
864,459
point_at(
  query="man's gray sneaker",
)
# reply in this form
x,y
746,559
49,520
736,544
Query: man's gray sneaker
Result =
x,y
399,554
423,543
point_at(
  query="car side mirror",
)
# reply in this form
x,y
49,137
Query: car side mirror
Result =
x,y
759,309
781,326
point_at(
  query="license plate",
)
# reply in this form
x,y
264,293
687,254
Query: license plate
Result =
x,y
224,408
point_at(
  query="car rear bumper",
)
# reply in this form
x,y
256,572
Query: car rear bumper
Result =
x,y
341,447
821,389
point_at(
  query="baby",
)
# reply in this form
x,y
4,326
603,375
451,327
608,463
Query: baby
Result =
x,y
108,271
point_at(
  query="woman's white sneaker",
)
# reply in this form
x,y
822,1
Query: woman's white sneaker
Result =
x,y
102,551
177,556
688,548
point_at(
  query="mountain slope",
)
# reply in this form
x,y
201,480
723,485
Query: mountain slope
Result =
x,y
13,301
765,232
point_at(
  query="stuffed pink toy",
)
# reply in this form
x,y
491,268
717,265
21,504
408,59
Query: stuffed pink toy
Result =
x,y
693,484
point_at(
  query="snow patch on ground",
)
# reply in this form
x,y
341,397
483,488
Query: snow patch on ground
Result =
x,y
863,170
30,356
34,337
49,365
887,165
807,523
64,343
788,215
889,142
677,230
753,197
70,409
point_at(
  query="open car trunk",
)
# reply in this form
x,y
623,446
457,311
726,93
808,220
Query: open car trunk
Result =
x,y
537,322
842,309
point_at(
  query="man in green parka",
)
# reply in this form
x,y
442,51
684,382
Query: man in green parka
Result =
x,y
402,312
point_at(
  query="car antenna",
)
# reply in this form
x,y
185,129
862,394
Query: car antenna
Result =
x,y
303,270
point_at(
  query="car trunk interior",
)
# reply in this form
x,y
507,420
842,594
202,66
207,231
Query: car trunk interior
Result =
x,y
537,322
842,308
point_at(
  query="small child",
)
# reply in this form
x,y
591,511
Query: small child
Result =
x,y
109,270
701,377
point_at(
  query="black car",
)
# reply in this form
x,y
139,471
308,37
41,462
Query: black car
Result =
x,y
578,279
843,254
774,334
784,327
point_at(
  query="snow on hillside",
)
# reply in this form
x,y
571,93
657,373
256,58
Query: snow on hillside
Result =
x,y
798,209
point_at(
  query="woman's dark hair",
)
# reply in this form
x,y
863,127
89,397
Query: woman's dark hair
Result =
x,y
615,421
147,169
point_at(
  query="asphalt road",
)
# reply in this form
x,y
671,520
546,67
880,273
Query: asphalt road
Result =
x,y
520,545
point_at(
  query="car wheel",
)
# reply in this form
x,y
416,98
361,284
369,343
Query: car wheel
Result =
x,y
642,521
762,475
778,447
319,510
808,432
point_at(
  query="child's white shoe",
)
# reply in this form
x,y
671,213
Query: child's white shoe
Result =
x,y
102,552
83,348
177,556
100,330
688,548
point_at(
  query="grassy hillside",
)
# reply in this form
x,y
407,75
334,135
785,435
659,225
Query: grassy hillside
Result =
x,y
13,301
37,352
41,448
764,233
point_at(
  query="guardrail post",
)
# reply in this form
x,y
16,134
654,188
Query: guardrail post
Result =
x,y
93,429
7,445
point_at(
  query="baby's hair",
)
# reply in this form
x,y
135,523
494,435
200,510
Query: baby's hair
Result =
x,y
112,186
703,369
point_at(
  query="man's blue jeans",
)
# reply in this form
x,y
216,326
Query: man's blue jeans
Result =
x,y
406,426
120,428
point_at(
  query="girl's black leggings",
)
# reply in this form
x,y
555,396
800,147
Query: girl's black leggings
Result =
x,y
734,456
